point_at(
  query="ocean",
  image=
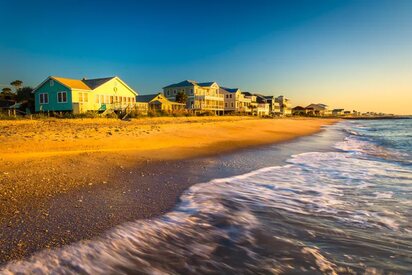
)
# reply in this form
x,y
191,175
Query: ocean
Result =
x,y
346,210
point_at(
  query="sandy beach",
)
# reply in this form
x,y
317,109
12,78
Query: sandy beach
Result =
x,y
50,171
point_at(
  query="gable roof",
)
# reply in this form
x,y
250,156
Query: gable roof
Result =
x,y
184,83
71,83
152,97
318,106
206,84
190,83
84,84
230,90
247,94
96,82
146,98
260,99
299,108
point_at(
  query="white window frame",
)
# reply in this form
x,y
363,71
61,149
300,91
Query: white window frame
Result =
x,y
83,96
61,92
44,101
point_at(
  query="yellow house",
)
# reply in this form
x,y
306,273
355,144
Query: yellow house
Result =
x,y
79,96
235,101
158,102
200,96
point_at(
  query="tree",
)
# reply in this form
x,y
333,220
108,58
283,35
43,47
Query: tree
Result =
x,y
7,94
25,94
181,97
6,90
17,84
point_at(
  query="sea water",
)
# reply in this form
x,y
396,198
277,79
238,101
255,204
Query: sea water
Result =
x,y
347,210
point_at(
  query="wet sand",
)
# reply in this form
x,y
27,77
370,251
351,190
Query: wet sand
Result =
x,y
57,191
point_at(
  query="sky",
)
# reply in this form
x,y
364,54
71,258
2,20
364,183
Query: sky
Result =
x,y
343,53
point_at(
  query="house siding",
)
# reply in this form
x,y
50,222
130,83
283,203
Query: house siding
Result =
x,y
105,96
51,91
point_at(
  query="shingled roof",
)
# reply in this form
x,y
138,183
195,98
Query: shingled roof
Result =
x,y
190,83
231,90
206,84
71,83
185,83
96,82
146,98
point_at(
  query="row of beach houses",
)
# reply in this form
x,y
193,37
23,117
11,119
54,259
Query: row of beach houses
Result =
x,y
57,94
111,94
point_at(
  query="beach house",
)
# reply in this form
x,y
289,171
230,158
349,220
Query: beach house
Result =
x,y
58,94
318,109
338,112
299,111
253,103
285,105
274,106
158,102
235,101
263,107
201,97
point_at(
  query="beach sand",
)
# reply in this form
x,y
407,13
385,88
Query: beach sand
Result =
x,y
66,180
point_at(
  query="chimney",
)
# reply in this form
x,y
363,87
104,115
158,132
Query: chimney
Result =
x,y
84,78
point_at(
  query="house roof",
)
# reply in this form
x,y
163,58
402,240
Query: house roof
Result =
x,y
230,90
247,94
84,84
260,99
298,108
96,82
146,98
72,83
206,84
185,83
318,106
149,98
189,83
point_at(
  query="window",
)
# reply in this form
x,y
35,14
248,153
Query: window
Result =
x,y
101,98
230,95
225,104
51,83
191,91
231,104
96,98
111,99
44,98
61,97
83,97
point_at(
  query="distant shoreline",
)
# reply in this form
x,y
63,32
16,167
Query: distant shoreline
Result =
x,y
378,117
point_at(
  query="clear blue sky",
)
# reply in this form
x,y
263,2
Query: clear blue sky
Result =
x,y
350,54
